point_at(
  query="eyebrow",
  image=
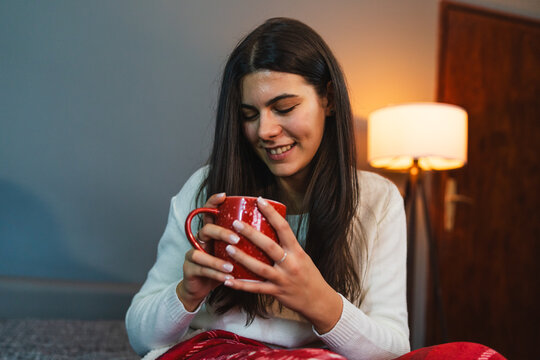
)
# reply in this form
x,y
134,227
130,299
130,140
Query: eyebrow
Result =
x,y
271,101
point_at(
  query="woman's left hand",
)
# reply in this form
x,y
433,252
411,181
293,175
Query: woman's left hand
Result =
x,y
293,280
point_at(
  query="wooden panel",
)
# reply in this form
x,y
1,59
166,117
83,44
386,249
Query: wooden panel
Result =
x,y
490,64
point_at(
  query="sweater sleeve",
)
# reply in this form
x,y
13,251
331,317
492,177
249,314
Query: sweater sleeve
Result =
x,y
379,328
156,317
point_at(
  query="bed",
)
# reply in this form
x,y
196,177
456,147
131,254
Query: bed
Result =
x,y
22,339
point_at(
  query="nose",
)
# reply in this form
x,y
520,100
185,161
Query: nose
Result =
x,y
269,126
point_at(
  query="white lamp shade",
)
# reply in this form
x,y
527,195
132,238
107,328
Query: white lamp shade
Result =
x,y
435,134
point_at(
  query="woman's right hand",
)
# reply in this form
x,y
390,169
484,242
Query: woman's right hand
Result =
x,y
202,271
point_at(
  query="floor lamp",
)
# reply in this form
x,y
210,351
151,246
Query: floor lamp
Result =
x,y
419,137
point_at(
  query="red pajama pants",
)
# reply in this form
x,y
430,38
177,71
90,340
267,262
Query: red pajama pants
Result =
x,y
224,345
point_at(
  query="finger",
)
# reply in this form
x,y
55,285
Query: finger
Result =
x,y
281,226
192,271
208,265
203,243
213,202
198,237
213,274
215,232
257,287
258,267
266,244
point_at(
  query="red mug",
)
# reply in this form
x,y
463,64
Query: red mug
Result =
x,y
242,208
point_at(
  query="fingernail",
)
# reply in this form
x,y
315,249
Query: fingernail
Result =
x,y
228,267
238,225
234,238
229,277
261,201
227,283
220,195
230,250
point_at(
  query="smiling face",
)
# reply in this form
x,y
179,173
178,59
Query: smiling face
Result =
x,y
283,119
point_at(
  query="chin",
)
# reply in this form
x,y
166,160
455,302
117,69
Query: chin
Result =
x,y
280,171
284,171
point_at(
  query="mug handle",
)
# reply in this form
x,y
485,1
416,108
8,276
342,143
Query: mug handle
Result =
x,y
189,234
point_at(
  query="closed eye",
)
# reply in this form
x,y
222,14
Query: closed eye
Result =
x,y
248,113
249,118
285,111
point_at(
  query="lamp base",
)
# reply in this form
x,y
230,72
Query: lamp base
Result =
x,y
414,186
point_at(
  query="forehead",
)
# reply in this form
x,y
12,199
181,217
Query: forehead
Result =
x,y
263,85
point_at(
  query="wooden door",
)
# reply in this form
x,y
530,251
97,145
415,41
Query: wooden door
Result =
x,y
490,268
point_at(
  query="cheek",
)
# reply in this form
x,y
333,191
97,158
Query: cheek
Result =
x,y
311,127
250,132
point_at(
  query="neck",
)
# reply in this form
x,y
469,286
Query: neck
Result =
x,y
293,192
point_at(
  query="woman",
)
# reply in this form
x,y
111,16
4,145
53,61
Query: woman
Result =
x,y
284,131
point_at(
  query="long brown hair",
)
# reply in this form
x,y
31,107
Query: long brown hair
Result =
x,y
331,197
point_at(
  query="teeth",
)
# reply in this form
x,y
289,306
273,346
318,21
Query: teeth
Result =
x,y
280,150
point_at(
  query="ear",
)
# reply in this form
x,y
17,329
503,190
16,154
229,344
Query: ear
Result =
x,y
329,100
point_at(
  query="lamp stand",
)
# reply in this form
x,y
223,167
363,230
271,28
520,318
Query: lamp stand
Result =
x,y
415,186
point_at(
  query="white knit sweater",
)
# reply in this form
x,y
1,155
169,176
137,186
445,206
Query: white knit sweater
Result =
x,y
377,329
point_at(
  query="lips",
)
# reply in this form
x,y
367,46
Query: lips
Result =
x,y
279,152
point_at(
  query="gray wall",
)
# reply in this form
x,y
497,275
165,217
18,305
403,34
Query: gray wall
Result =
x,y
107,108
